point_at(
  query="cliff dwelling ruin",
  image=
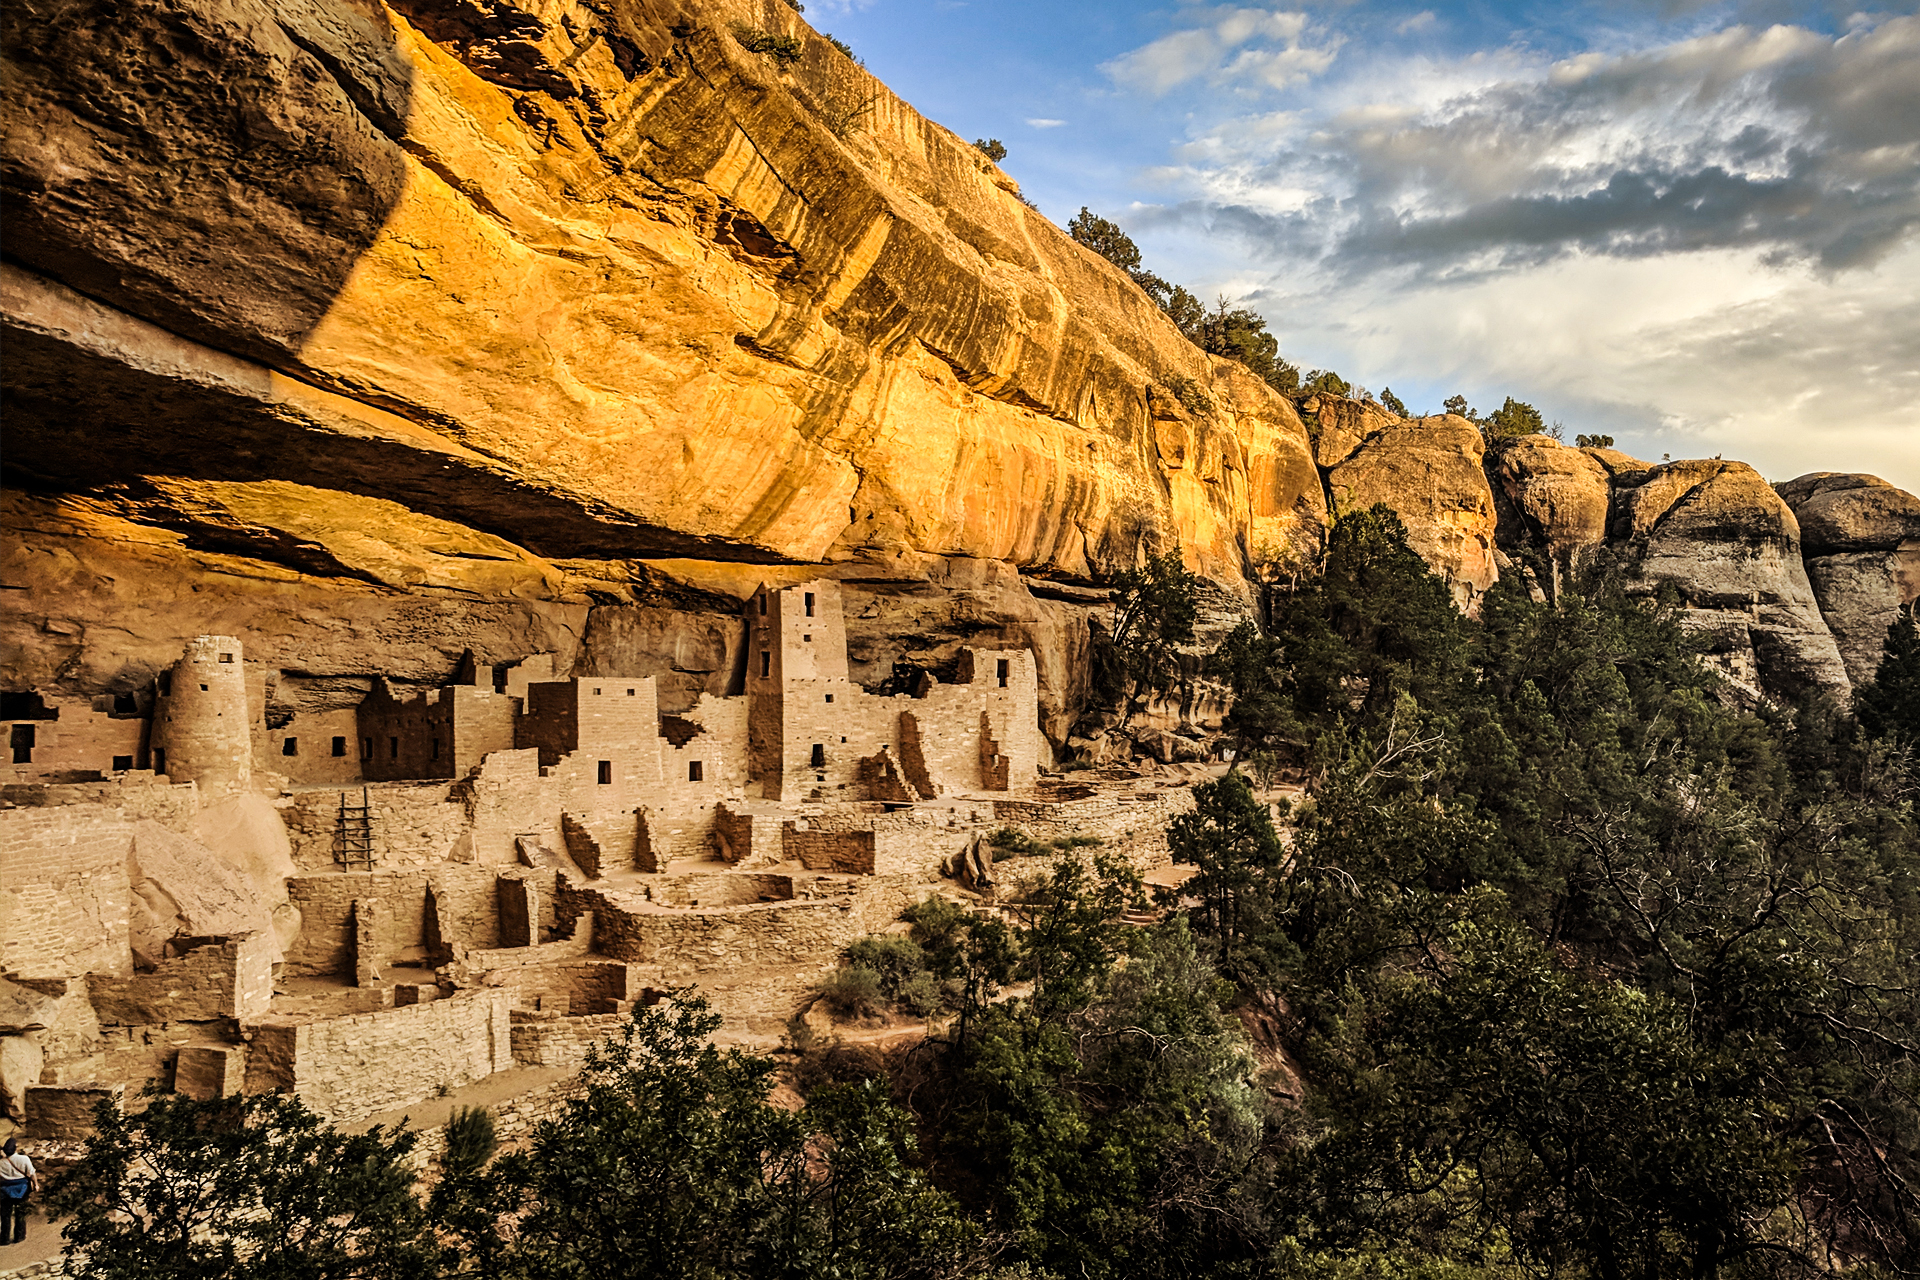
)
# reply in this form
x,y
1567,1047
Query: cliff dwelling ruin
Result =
x,y
375,905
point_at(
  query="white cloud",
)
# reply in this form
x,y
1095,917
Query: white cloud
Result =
x,y
1043,123
1422,21
1254,47
1709,246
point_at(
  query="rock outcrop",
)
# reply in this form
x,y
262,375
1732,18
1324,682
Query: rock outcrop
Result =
x,y
1561,496
1719,534
1431,471
388,337
1861,540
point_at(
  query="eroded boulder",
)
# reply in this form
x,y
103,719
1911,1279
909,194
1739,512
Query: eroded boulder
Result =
x,y
1429,471
1562,495
1861,539
1729,544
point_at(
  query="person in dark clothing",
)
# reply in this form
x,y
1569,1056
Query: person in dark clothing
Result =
x,y
18,1180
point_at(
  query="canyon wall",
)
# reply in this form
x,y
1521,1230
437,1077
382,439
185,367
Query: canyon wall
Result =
x,y
389,336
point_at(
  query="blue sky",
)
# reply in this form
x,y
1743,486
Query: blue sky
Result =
x,y
1692,227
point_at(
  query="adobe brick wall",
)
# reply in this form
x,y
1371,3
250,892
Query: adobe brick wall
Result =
x,y
64,892
218,978
349,1067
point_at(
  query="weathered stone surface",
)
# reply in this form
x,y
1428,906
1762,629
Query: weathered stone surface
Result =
x,y
1562,494
21,1060
181,888
1429,470
1850,512
23,1009
1340,425
654,300
1731,546
1861,538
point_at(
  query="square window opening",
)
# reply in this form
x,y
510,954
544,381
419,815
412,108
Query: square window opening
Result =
x,y
693,771
806,639
226,657
596,693
203,688
829,697
122,763
629,693
291,747
124,703
339,746
606,773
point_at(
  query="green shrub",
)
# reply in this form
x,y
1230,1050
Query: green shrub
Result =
x,y
1392,402
992,148
922,994
1190,395
1593,442
785,50
843,47
892,958
853,991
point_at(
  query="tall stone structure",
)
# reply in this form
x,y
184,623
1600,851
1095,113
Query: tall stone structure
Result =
x,y
201,729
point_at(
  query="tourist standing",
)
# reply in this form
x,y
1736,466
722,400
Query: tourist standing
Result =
x,y
18,1180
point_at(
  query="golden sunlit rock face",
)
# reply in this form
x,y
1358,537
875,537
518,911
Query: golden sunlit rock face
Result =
x,y
374,333
599,279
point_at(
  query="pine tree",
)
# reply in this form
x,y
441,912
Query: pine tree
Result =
x,y
1890,706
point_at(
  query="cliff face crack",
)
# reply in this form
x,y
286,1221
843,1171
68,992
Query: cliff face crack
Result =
x,y
994,386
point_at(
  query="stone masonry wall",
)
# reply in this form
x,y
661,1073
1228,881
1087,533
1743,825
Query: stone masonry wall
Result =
x,y
64,891
354,1066
218,978
464,897
841,852
688,943
85,739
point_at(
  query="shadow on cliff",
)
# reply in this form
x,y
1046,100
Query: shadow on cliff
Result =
x,y
216,170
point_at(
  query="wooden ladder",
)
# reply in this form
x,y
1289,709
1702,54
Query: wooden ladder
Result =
x,y
353,834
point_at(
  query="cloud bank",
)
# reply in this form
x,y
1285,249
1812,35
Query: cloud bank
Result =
x,y
1706,241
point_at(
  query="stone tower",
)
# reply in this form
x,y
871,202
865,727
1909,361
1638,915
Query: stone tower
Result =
x,y
796,639
200,720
